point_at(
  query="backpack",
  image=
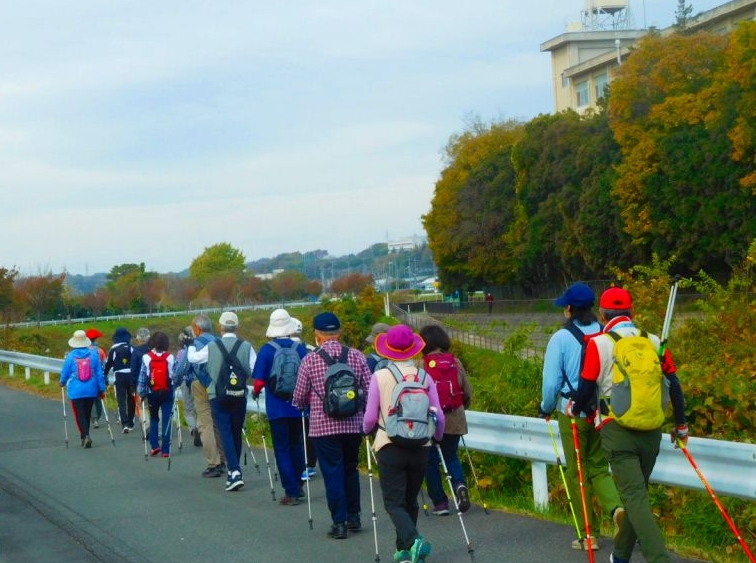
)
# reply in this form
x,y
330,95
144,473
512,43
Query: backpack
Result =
x,y
639,393
121,357
159,380
283,373
583,339
380,362
343,394
444,372
231,385
83,368
410,422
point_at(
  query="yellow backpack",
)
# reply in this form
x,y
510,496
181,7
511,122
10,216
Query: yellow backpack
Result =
x,y
640,392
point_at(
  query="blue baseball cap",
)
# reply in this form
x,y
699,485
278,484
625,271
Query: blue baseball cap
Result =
x,y
577,295
326,322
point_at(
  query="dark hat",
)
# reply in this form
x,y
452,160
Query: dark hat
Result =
x,y
399,343
121,335
93,333
577,295
326,322
378,328
616,298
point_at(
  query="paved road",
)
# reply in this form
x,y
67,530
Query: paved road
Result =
x,y
108,505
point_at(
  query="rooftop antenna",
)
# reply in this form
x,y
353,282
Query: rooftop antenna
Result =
x,y
606,15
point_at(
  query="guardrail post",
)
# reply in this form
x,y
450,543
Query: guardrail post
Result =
x,y
47,378
27,372
10,369
540,485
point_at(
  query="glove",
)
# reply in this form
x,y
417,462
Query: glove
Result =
x,y
679,433
257,388
542,414
568,409
102,395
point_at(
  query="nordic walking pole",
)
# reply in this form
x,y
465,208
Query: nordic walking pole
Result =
x,y
65,421
475,476
668,314
372,498
422,497
564,479
144,430
249,447
307,481
470,549
265,449
582,489
174,409
177,420
713,496
107,420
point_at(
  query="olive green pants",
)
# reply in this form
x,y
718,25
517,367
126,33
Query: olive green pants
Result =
x,y
632,456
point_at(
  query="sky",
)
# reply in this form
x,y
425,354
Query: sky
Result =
x,y
135,131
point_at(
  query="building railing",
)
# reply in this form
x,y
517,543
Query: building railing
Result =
x,y
729,467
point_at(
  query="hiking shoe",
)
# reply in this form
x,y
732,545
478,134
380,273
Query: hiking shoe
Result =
x,y
353,522
87,442
582,544
441,509
613,559
463,497
197,439
308,473
125,430
234,482
154,451
96,422
419,550
402,556
338,531
213,471
618,517
165,454
289,501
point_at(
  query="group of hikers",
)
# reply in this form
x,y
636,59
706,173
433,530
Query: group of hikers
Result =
x,y
607,381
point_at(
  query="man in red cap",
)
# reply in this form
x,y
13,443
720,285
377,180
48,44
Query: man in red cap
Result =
x,y
630,450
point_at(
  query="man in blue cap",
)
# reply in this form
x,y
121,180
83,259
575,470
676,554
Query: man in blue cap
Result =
x,y
562,364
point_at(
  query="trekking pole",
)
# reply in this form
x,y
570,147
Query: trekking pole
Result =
x,y
713,496
65,420
144,430
170,431
372,498
582,490
564,480
177,420
307,481
668,314
422,497
107,420
249,447
265,449
470,549
475,476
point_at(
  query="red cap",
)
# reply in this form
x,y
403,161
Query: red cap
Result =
x,y
616,298
93,333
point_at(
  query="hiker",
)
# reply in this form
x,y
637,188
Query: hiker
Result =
x,y
184,377
229,413
196,353
336,434
156,386
631,452
278,377
119,360
454,395
373,359
490,301
311,457
401,468
562,363
93,334
84,381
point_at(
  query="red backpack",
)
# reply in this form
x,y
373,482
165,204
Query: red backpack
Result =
x,y
159,380
443,369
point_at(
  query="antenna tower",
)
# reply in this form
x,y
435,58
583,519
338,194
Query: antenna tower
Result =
x,y
606,15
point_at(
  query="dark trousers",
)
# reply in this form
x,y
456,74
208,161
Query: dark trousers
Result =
x,y
312,455
82,409
401,473
160,404
433,478
229,418
288,448
338,456
125,390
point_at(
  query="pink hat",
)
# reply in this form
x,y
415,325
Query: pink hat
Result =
x,y
399,343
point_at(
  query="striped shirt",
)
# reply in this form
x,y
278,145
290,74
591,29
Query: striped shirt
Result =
x,y
310,391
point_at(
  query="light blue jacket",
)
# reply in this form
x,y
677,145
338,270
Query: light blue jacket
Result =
x,y
69,375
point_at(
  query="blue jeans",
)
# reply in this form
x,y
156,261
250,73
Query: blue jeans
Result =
x,y
433,478
160,405
338,457
288,448
229,418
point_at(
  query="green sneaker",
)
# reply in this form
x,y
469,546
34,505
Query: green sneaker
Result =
x,y
403,556
420,549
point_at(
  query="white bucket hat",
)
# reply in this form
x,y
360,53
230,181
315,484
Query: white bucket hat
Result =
x,y
79,340
281,324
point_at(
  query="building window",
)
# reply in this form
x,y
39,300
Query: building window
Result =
x,y
602,82
583,94
565,81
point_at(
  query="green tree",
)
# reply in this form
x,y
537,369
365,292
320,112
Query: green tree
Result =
x,y
682,15
221,258
7,280
41,295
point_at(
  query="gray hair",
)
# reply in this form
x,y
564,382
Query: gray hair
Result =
x,y
143,335
203,323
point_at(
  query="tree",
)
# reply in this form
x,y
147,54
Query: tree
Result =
x,y
289,285
682,15
7,279
351,283
41,295
221,258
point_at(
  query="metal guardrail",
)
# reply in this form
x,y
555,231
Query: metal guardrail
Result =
x,y
729,467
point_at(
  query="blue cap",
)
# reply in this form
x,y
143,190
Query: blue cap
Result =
x,y
326,322
577,295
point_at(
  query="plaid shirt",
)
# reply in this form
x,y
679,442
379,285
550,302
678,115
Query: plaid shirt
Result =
x,y
310,391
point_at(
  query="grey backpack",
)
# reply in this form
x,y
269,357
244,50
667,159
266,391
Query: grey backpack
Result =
x,y
409,422
283,372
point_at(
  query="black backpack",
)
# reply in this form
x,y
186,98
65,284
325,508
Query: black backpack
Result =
x,y
343,394
121,357
231,386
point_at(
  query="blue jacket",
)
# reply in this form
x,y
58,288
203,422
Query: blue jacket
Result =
x,y
69,375
275,407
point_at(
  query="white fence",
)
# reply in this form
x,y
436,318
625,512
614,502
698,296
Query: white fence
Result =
x,y
729,467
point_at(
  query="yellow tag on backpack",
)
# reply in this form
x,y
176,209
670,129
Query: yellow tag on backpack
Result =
x,y
640,391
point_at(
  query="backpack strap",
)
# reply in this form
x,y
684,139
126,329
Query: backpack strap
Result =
x,y
275,345
396,372
616,337
326,357
230,356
